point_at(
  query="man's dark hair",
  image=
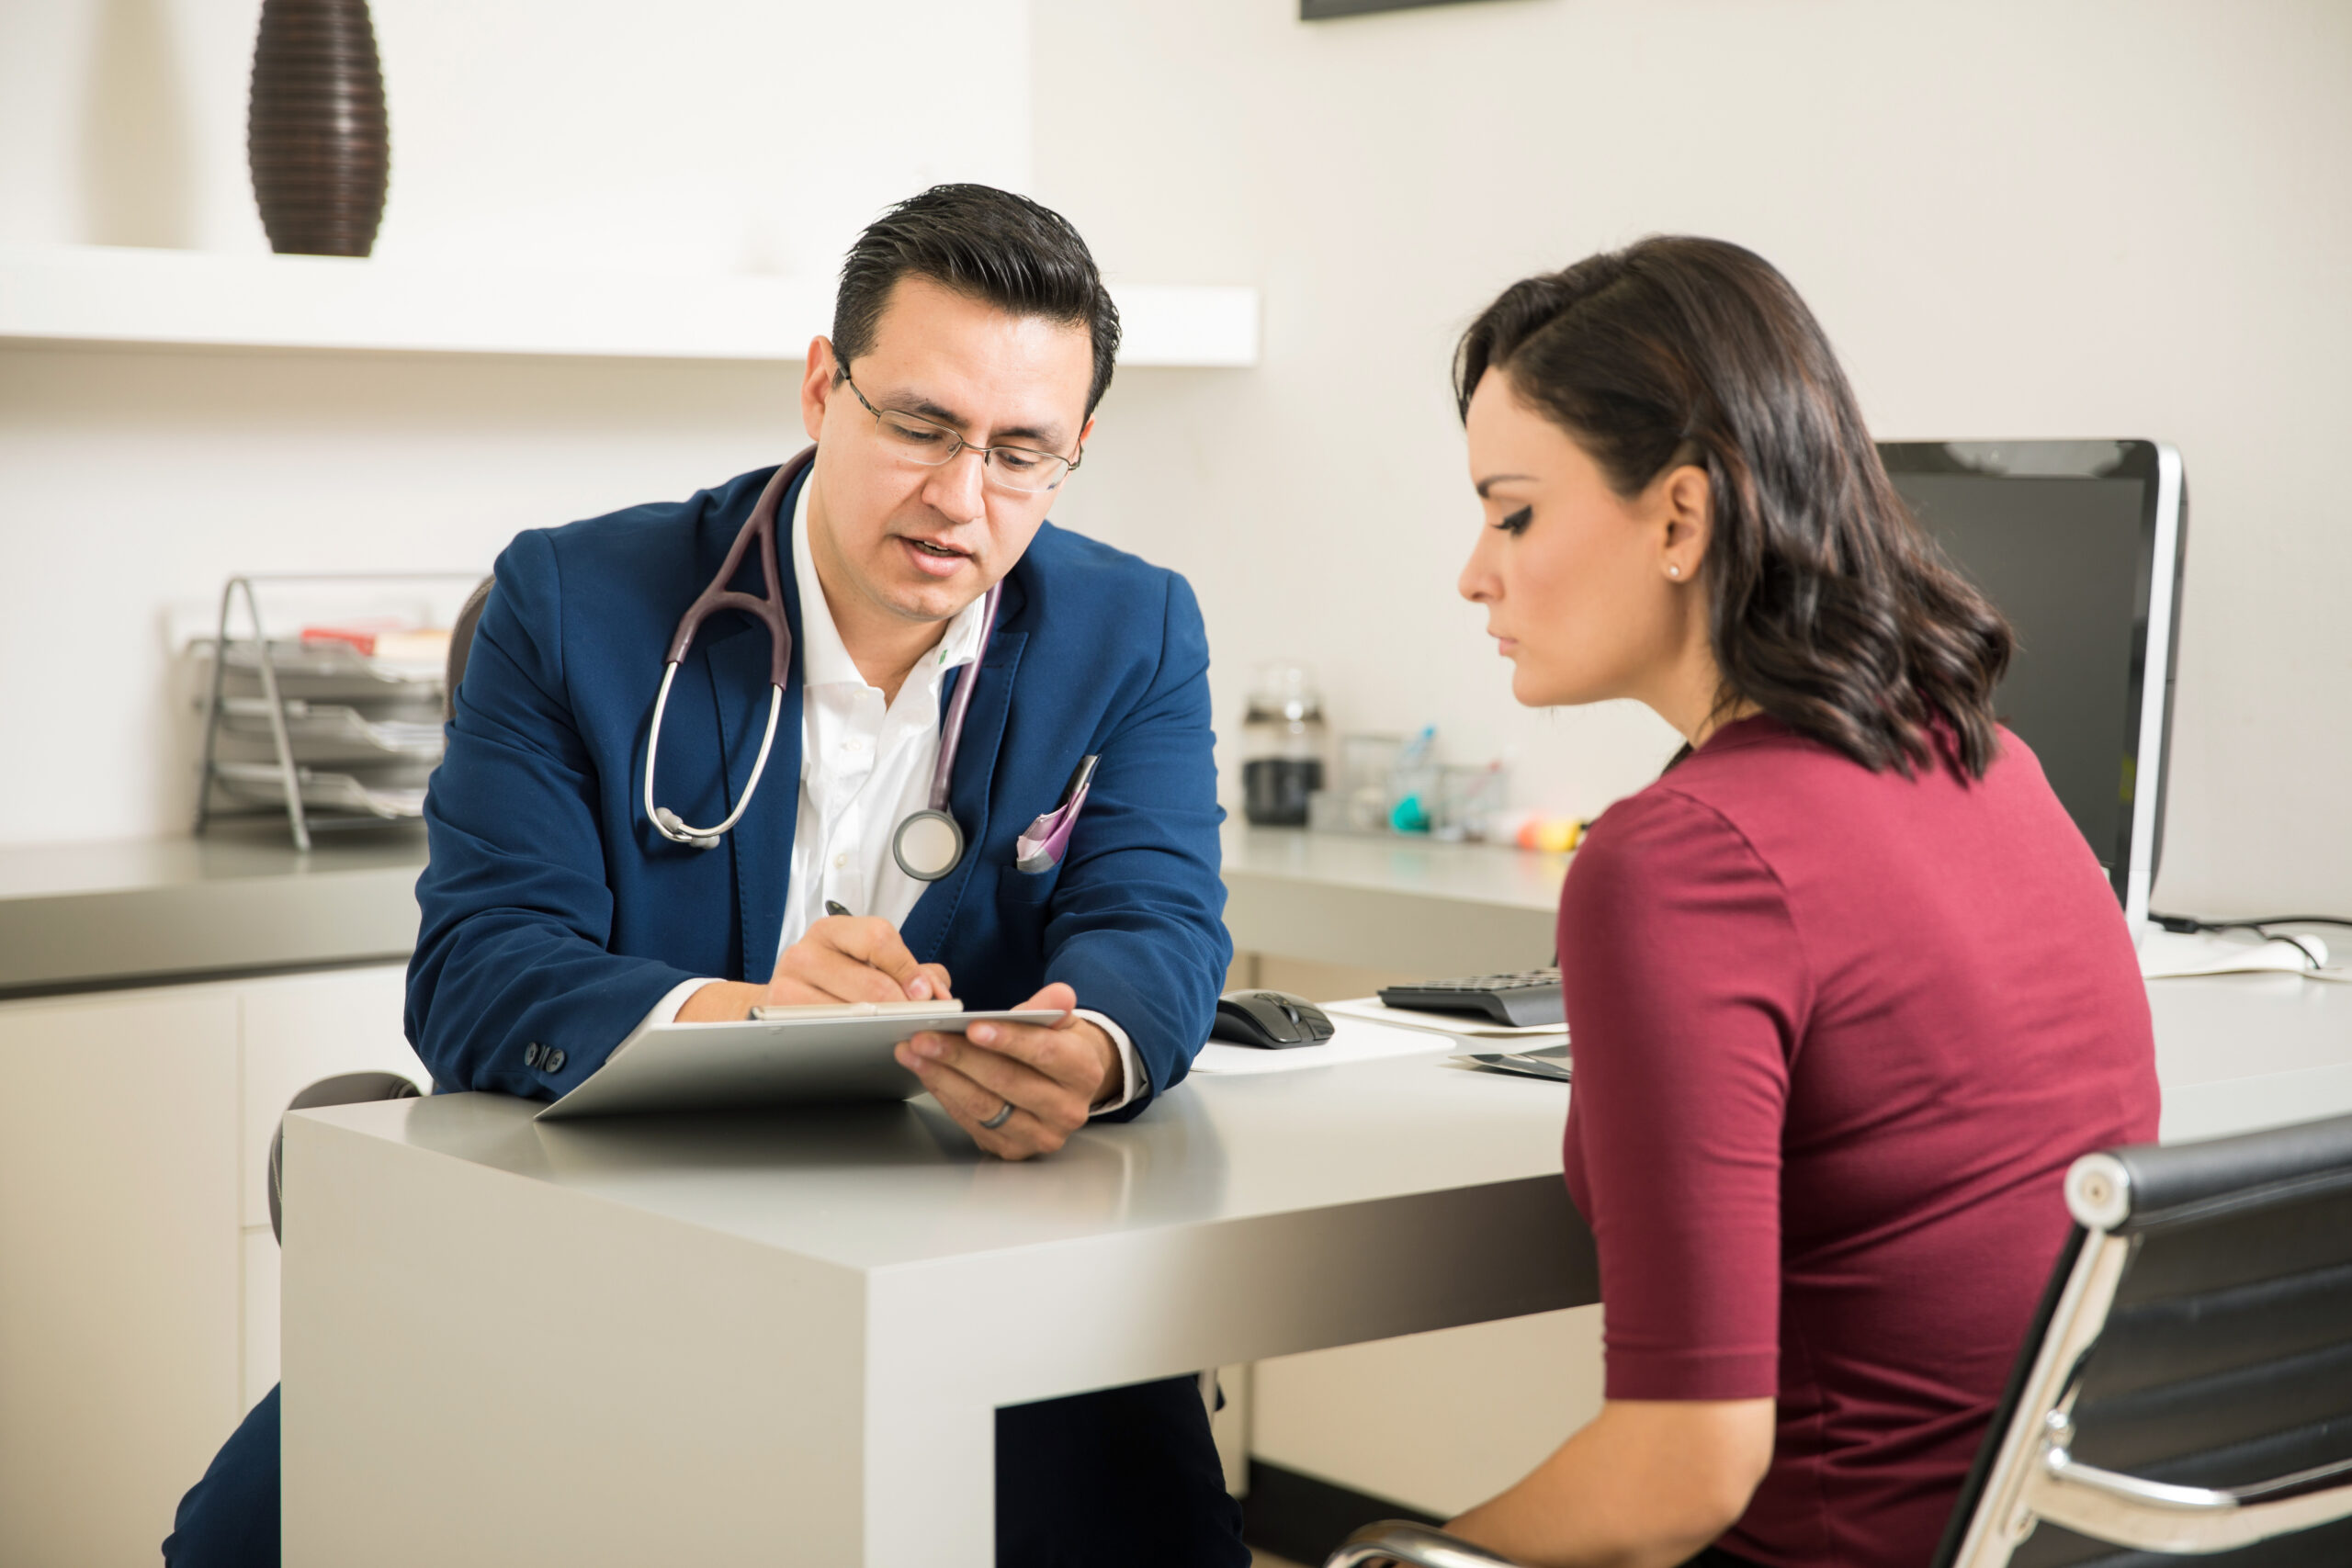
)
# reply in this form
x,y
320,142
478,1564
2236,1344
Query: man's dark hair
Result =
x,y
1831,609
994,246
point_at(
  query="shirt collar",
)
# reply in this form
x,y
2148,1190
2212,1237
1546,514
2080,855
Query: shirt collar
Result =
x,y
825,661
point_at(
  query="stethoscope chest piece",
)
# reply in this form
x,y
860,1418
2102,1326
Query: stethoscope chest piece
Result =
x,y
928,845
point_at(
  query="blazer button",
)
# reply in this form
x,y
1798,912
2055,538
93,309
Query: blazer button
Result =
x,y
553,1061
531,1055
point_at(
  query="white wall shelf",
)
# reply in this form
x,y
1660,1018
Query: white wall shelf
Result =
x,y
93,294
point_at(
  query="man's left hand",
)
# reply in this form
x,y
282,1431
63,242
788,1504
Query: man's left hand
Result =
x,y
1052,1076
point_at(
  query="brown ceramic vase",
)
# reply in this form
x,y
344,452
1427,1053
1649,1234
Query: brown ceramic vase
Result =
x,y
317,137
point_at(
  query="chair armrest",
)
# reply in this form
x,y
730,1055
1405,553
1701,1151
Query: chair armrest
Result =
x,y
2155,1517
1418,1546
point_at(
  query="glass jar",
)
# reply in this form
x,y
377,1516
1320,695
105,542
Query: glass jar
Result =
x,y
1283,742
1367,762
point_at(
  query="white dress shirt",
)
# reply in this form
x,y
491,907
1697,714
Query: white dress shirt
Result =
x,y
866,766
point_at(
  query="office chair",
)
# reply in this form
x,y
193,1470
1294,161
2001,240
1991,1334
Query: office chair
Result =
x,y
343,1089
1394,1541
461,644
2186,1385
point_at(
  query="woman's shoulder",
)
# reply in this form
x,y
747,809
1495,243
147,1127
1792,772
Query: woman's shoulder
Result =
x,y
1726,812
1703,795
1759,755
1667,887
1661,835
1762,814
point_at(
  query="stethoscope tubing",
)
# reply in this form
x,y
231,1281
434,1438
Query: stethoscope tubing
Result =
x,y
951,738
760,529
769,608
666,822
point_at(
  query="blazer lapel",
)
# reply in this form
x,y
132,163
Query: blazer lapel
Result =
x,y
967,793
761,842
737,648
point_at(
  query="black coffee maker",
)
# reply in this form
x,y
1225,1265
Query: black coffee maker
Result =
x,y
1283,742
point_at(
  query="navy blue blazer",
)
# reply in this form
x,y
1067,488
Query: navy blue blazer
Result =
x,y
555,914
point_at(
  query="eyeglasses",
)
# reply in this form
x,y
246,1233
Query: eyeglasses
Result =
x,y
1017,470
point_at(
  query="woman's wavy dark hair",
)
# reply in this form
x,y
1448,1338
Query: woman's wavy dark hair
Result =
x,y
1830,609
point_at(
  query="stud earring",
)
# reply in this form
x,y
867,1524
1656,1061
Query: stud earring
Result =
x,y
1674,571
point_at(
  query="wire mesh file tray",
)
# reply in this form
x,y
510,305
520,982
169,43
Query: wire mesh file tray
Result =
x,y
264,783
324,732
334,727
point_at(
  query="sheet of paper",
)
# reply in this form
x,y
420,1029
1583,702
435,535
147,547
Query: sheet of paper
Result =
x,y
2180,955
1353,1041
1372,1009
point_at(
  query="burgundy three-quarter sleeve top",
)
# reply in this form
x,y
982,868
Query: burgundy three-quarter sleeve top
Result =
x,y
1838,1035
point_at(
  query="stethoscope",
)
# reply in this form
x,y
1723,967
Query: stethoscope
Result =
x,y
929,843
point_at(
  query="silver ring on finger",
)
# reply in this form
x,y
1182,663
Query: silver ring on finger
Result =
x,y
1000,1118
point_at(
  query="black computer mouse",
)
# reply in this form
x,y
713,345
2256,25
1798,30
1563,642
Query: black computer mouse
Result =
x,y
1273,1020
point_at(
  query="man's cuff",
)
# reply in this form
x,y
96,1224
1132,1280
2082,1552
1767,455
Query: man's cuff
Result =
x,y
1136,1084
666,1010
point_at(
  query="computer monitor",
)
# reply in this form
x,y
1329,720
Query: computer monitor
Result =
x,y
2079,543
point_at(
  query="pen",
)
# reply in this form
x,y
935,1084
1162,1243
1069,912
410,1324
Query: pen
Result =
x,y
834,907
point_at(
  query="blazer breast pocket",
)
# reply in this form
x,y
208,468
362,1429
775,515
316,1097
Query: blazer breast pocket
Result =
x,y
1017,887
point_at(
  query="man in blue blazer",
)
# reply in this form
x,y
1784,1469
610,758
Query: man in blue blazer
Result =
x,y
972,340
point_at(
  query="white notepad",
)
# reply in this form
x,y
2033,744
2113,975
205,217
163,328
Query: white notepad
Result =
x,y
797,1060
1374,1011
1353,1041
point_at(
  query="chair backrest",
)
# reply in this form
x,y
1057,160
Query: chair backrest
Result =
x,y
2187,1385
462,645
343,1089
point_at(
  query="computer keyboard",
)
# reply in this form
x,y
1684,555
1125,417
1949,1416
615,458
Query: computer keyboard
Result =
x,y
1525,1000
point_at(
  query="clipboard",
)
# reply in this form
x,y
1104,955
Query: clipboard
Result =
x,y
841,1056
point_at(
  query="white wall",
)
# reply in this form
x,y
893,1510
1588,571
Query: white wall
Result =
x,y
715,135
132,483
2016,218
2062,217
586,133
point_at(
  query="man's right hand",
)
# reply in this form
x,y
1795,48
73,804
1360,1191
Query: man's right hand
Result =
x,y
845,958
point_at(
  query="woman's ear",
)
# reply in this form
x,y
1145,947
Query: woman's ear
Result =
x,y
1685,504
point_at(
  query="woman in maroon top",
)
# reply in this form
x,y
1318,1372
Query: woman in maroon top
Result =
x,y
1848,989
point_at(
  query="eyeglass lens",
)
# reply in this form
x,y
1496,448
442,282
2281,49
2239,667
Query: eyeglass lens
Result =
x,y
1015,468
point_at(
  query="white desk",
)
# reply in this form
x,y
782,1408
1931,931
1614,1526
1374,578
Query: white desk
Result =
x,y
2239,1052
763,1340
774,1339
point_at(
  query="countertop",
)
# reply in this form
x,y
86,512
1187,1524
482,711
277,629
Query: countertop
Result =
x,y
2236,1052
243,900
1393,902
140,911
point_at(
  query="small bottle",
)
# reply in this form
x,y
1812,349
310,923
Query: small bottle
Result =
x,y
1283,742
